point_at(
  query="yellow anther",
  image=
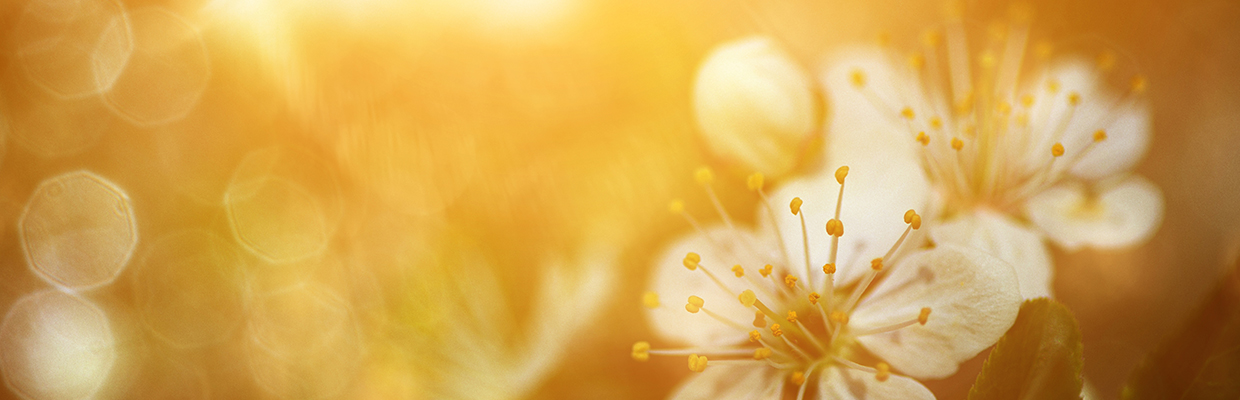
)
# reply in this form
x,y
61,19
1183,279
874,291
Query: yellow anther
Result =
x,y
755,181
1138,84
936,123
792,316
839,317
841,173
835,227
1027,100
650,300
761,353
1004,108
691,261
858,78
795,205
766,271
1074,99
1057,150
695,304
828,268
1100,135
676,206
797,378
911,218
916,61
813,297
876,264
916,222
1044,49
923,138
924,316
755,335
748,298
957,144
704,176
791,281
736,269
697,363
883,371
1053,86
1106,60
907,113
759,320
641,351
775,330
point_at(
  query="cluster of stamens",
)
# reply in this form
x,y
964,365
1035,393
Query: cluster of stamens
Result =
x,y
974,129
798,327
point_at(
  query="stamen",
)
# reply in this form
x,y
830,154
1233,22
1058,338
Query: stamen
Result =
x,y
876,265
923,138
839,317
921,319
1057,150
828,268
766,271
759,320
813,297
676,206
796,209
850,364
761,353
696,363
776,330
641,351
883,372
692,261
835,227
755,335
957,144
857,77
924,316
792,316
650,300
722,319
808,372
695,304
705,177
797,378
738,270
755,181
790,281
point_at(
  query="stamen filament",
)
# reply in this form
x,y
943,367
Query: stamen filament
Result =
x,y
888,328
805,384
770,212
812,339
724,320
853,365
701,351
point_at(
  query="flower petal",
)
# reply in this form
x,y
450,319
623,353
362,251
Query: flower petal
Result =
x,y
755,104
1126,212
840,383
674,284
732,382
1007,239
973,297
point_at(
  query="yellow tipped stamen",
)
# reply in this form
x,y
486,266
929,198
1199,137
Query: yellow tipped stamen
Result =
x,y
1074,99
884,372
924,316
695,304
1138,84
835,227
840,318
790,281
923,138
748,298
755,335
1027,101
776,330
813,297
792,316
738,270
704,176
858,78
1053,86
766,271
876,264
692,261
761,353
957,144
907,113
676,206
916,222
1100,135
755,181
828,268
841,173
697,363
650,300
1057,150
795,205
916,61
641,351
936,123
759,320
797,378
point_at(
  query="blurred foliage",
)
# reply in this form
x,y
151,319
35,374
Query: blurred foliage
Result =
x,y
1040,357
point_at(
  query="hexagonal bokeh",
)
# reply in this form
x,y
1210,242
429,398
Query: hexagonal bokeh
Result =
x,y
304,343
55,346
283,204
189,288
78,230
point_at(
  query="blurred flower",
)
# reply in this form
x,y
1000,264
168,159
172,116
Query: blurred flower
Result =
x,y
754,104
923,311
1011,159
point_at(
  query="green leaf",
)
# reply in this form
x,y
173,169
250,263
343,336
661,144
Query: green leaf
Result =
x,y
1038,358
1169,371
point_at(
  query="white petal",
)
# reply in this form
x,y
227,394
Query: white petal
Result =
x,y
1126,122
1007,239
973,298
731,382
1125,213
674,284
755,104
840,383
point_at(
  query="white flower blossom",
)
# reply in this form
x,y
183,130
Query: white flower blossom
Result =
x,y
768,319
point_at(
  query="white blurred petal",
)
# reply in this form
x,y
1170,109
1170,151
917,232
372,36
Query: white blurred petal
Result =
x,y
841,383
674,284
974,299
755,104
1124,213
1005,238
731,382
